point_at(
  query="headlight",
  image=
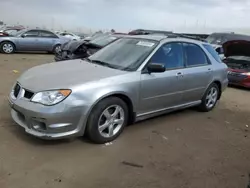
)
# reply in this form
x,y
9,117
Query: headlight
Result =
x,y
246,73
50,97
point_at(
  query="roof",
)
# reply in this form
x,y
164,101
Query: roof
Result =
x,y
160,38
149,37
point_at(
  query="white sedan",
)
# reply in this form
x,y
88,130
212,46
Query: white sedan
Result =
x,y
72,36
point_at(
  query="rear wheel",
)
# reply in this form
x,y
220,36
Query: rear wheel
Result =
x,y
7,47
210,98
107,120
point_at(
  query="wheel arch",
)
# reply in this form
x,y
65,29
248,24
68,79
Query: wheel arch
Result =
x,y
123,96
56,44
9,42
218,83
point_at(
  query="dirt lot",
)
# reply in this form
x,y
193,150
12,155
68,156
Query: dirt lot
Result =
x,y
187,149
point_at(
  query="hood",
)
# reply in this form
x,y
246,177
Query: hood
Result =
x,y
64,75
72,45
236,48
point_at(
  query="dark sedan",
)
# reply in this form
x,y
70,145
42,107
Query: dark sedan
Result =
x,y
83,49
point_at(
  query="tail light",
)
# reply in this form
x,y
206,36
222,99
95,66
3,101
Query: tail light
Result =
x,y
3,34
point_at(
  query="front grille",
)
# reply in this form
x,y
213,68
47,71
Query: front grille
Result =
x,y
17,89
28,94
25,93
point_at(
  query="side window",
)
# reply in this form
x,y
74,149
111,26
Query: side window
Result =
x,y
47,34
195,56
170,55
31,33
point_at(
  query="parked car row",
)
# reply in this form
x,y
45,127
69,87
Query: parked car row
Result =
x,y
130,79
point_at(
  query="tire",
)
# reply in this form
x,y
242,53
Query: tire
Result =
x,y
212,94
103,115
56,48
7,47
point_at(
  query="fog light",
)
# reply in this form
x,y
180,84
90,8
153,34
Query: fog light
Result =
x,y
39,126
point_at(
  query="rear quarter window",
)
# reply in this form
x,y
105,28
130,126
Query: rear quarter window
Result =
x,y
212,52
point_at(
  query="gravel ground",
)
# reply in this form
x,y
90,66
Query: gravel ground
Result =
x,y
184,149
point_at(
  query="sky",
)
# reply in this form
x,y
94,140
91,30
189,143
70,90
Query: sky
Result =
x,y
124,15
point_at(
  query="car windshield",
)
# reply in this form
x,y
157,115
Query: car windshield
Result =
x,y
124,54
11,31
211,39
103,41
18,33
216,39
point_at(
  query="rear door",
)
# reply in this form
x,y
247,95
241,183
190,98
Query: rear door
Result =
x,y
198,72
47,40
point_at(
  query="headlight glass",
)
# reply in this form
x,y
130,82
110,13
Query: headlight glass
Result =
x,y
246,73
51,97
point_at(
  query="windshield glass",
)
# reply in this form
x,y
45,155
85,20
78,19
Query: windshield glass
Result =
x,y
18,33
211,39
103,41
216,39
125,54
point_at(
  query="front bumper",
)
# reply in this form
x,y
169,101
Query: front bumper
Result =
x,y
47,122
238,79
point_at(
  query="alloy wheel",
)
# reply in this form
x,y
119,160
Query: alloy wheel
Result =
x,y
57,49
111,121
212,97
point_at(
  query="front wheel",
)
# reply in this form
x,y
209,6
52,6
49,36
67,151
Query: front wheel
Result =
x,y
7,47
107,120
56,48
210,98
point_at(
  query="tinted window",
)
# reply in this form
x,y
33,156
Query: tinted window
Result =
x,y
31,33
212,51
47,34
170,55
195,56
125,54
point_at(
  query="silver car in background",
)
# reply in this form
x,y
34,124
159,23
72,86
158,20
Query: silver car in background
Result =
x,y
32,40
132,79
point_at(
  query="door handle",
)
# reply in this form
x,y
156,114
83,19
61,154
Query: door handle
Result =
x,y
179,74
209,70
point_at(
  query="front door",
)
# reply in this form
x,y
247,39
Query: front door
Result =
x,y
29,41
163,90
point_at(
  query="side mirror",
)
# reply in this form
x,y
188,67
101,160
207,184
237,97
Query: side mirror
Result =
x,y
23,35
156,67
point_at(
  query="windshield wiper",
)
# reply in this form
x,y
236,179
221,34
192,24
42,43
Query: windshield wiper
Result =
x,y
104,64
86,58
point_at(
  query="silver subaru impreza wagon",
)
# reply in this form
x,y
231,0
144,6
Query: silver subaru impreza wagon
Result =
x,y
134,78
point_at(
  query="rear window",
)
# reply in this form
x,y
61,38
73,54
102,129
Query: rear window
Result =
x,y
212,51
